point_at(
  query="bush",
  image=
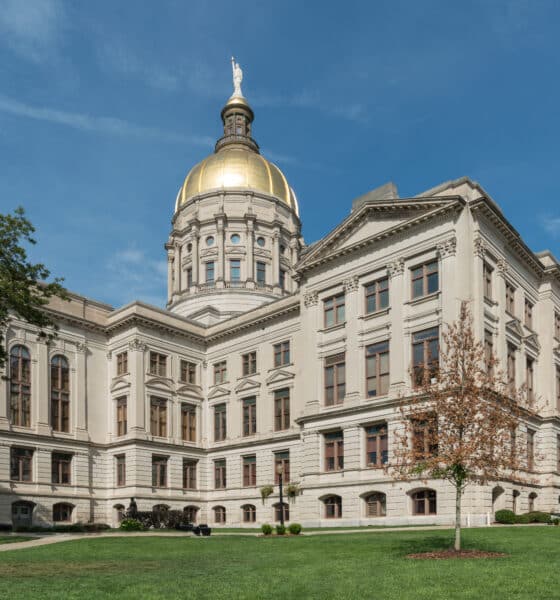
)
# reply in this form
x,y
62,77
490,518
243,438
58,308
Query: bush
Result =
x,y
295,528
132,525
538,516
505,516
555,522
266,529
523,519
280,529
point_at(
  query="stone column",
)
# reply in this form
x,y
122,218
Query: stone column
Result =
x,y
250,246
80,413
194,254
351,310
398,354
275,258
479,253
220,271
136,406
177,264
310,386
40,401
500,348
169,275
448,279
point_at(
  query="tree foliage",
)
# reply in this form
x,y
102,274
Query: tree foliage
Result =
x,y
24,289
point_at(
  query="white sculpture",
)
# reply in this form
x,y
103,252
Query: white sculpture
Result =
x,y
237,78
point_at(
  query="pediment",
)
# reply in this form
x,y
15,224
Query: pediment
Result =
x,y
247,384
533,341
514,327
279,376
190,391
218,391
119,383
160,382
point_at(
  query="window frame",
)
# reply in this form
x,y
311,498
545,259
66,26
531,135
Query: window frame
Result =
x,y
122,415
510,298
335,364
190,468
377,500
23,457
432,364
249,464
120,468
122,363
220,422
220,474
377,434
209,272
282,409
159,471
20,385
187,371
260,273
487,280
158,364
188,422
427,498
249,512
334,444
60,393
424,277
219,514
61,468
234,270
281,353
282,458
373,291
378,351
334,307
249,363
158,416
220,372
249,416
333,503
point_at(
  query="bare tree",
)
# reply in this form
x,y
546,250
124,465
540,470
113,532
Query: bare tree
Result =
x,y
460,422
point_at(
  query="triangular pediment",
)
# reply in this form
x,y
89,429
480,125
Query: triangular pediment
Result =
x,y
514,327
533,341
218,391
190,391
247,384
160,382
279,376
119,383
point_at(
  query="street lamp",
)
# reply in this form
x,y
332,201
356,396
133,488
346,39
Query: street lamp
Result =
x,y
280,471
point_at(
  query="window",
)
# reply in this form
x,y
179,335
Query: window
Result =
x,y
122,363
530,378
235,238
188,422
250,416
210,240
425,355
62,512
159,471
158,364
122,425
335,379
528,314
209,271
189,277
425,279
511,350
424,503
261,242
334,451
510,298
220,474
249,363
261,273
278,509
60,394
282,459
120,462
20,386
60,468
424,439
282,279
531,503
21,464
333,507
220,422
235,269
376,505
188,372
249,471
158,417
488,351
333,310
281,409
189,474
377,369
530,449
219,515
377,453
557,325
487,280
249,513
281,354
220,372
515,496
377,295
190,513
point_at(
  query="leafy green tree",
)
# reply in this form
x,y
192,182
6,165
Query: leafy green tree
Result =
x,y
24,290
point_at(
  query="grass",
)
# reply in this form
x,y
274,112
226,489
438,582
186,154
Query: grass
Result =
x,y
306,529
321,567
10,539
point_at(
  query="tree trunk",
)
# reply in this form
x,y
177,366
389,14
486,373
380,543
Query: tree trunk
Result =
x,y
458,494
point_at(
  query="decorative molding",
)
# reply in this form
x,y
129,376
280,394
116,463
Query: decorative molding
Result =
x,y
396,267
279,376
109,355
81,347
502,267
533,341
137,346
447,247
351,284
310,299
246,385
218,391
479,247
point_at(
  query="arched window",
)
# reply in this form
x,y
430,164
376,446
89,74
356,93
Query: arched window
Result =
x,y
60,394
20,386
515,496
424,502
120,511
219,514
249,513
62,512
532,498
333,507
278,507
191,513
376,505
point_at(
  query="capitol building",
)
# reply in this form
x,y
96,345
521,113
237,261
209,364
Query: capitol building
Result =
x,y
276,355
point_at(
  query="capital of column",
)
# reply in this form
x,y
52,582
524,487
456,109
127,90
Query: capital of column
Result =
x,y
447,247
479,247
310,299
351,284
396,267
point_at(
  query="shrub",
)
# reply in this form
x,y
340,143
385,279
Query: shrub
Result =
x,y
132,525
505,516
538,516
523,519
280,529
555,521
266,529
294,528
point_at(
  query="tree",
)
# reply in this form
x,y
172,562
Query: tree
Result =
x,y
24,290
460,423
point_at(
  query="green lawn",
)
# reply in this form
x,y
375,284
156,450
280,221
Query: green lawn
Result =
x,y
10,539
352,566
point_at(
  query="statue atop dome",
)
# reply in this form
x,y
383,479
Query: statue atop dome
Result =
x,y
237,79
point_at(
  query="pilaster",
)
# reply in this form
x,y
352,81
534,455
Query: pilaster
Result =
x,y
136,408
397,366
80,413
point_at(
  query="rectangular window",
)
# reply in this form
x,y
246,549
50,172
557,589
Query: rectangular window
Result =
x,y
377,295
60,468
510,298
189,474
530,379
220,372
530,449
425,279
424,439
250,416
528,314
122,423
209,266
220,423
377,369
188,422
282,279
335,379
425,355
557,325
158,364
249,363
188,372
377,453
487,280
120,462
333,310
189,277
21,464
261,273
334,451
122,363
235,270
281,409
159,471
220,480
488,351
281,354
511,350
158,417
282,460
249,471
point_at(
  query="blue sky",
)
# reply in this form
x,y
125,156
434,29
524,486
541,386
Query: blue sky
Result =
x,y
105,106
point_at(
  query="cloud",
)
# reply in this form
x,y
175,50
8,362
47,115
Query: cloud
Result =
x,y
551,225
97,124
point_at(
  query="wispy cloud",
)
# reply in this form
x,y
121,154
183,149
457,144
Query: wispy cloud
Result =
x,y
551,225
97,124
